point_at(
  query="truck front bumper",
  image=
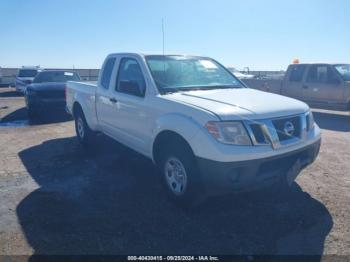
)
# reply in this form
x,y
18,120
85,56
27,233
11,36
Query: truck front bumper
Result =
x,y
226,177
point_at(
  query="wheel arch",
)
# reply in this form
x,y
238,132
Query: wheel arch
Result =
x,y
165,137
178,125
79,106
76,108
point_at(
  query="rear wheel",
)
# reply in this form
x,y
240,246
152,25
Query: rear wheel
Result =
x,y
84,133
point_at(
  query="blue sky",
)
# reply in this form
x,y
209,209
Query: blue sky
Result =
x,y
263,35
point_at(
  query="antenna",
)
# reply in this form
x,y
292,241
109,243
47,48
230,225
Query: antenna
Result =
x,y
163,36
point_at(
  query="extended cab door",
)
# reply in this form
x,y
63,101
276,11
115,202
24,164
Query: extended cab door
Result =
x,y
322,85
293,81
104,100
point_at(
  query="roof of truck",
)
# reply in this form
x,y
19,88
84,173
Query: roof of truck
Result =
x,y
320,63
30,67
154,54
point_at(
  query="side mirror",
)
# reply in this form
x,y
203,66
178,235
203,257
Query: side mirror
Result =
x,y
130,87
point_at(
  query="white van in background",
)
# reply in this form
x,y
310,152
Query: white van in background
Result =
x,y
25,77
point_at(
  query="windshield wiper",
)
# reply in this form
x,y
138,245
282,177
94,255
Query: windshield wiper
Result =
x,y
165,90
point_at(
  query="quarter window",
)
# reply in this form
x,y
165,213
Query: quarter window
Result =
x,y
107,72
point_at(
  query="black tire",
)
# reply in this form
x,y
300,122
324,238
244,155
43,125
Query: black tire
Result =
x,y
282,185
192,193
284,188
84,134
32,114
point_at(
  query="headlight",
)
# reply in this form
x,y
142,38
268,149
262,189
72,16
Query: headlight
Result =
x,y
310,121
229,132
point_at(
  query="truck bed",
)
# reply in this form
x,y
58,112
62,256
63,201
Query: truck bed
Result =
x,y
268,85
82,84
84,93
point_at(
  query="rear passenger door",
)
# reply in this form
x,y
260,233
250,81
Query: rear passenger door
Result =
x,y
293,82
322,85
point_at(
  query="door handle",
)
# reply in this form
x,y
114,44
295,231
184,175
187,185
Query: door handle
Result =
x,y
305,87
113,100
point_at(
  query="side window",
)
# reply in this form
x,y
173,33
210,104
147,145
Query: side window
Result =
x,y
130,78
297,72
319,74
107,72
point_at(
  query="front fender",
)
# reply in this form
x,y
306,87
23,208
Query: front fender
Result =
x,y
183,125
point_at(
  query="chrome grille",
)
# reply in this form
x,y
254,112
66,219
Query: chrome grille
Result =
x,y
280,124
259,135
277,132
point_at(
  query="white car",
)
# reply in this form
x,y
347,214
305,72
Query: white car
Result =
x,y
25,76
201,126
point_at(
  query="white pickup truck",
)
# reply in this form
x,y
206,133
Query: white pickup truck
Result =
x,y
201,126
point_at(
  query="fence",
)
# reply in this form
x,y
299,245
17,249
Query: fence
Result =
x,y
9,74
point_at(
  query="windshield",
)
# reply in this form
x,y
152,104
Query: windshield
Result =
x,y
344,71
182,73
56,76
27,73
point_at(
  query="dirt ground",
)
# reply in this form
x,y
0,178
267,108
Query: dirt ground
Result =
x,y
57,198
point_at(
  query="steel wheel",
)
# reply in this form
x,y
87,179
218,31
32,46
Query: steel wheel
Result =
x,y
80,128
175,175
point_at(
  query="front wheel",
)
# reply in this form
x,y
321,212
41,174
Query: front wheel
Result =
x,y
175,175
180,175
84,133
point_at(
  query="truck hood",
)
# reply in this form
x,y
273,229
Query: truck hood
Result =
x,y
240,103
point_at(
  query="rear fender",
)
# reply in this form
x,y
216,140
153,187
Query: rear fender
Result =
x,y
87,103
